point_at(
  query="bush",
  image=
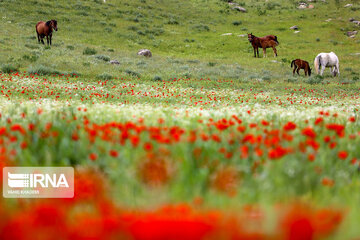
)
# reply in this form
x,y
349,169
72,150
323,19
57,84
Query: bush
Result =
x,y
42,70
89,51
173,22
74,74
237,23
8,68
32,57
103,57
104,76
157,78
70,47
201,28
132,73
315,80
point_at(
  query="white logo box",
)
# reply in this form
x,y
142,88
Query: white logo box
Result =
x,y
38,182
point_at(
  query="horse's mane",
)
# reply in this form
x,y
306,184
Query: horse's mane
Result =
x,y
49,22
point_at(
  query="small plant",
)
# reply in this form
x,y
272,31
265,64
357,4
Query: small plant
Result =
x,y
42,70
104,76
211,64
89,51
8,68
103,57
133,28
315,80
261,12
70,47
237,23
108,29
157,78
292,80
173,21
272,6
132,73
201,28
266,78
30,57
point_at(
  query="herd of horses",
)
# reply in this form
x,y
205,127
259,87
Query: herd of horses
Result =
x,y
322,60
45,29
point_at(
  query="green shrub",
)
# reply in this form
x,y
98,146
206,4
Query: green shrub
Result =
x,y
103,57
237,23
8,68
173,21
157,78
31,57
104,76
89,51
70,47
74,74
201,28
315,80
42,70
132,73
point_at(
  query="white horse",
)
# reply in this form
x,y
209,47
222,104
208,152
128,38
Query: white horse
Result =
x,y
327,60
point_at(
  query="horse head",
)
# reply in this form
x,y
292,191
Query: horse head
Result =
x,y
53,25
250,37
309,72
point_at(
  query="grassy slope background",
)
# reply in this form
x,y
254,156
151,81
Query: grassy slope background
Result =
x,y
184,36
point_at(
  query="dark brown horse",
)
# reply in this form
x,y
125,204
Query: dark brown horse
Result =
x,y
263,42
301,64
45,29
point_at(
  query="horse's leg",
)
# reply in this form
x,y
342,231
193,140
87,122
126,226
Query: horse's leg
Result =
x,y
297,70
264,52
322,70
294,69
47,40
254,52
257,49
38,37
42,39
275,52
338,68
50,38
305,70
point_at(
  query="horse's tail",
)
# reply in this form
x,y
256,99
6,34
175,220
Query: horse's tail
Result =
x,y
317,63
292,63
36,27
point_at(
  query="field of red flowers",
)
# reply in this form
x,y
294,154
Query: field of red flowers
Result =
x,y
184,159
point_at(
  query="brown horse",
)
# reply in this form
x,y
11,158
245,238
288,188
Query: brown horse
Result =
x,y
301,64
263,42
45,29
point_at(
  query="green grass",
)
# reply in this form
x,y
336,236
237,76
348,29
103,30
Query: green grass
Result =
x,y
176,32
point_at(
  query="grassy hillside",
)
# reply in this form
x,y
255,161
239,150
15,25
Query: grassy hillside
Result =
x,y
184,36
